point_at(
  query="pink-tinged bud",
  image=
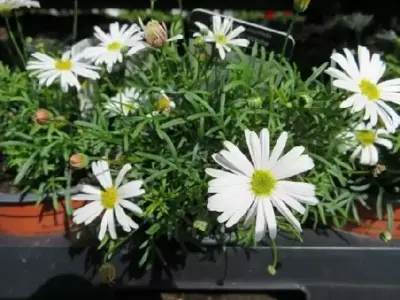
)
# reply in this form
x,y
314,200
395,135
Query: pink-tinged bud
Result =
x,y
156,34
42,116
78,161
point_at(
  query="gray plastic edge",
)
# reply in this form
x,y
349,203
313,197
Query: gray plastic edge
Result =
x,y
30,198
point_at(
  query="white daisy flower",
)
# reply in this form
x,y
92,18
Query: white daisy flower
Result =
x,y
123,103
363,140
66,69
9,5
111,200
363,80
113,45
222,35
257,187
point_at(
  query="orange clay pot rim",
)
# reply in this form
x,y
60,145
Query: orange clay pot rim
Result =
x,y
7,198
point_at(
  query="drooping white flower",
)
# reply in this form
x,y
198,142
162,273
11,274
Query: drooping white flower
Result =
x,y
222,35
113,45
65,69
9,5
257,187
362,141
111,200
164,104
363,81
123,103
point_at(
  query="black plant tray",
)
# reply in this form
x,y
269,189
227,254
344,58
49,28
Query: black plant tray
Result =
x,y
328,266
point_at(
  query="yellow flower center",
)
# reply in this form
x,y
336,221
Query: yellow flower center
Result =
x,y
221,39
262,183
369,89
366,137
109,197
163,104
63,65
5,8
114,46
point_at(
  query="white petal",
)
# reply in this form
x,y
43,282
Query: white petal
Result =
x,y
365,156
270,217
85,197
85,212
264,140
346,85
355,153
121,175
111,224
286,213
287,160
131,206
246,200
384,142
238,158
103,225
302,164
229,182
131,189
88,189
278,149
251,214
121,218
291,202
260,228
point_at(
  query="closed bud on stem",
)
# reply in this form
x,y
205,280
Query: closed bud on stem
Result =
x,y
386,236
199,42
156,34
301,5
42,116
254,102
60,121
78,161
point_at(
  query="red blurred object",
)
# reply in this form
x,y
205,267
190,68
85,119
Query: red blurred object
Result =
x,y
269,14
287,13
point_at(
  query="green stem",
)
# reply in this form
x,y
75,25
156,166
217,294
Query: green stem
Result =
x,y
152,6
67,197
180,5
75,24
272,268
21,33
290,29
10,33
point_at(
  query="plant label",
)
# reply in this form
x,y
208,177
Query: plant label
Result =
x,y
271,39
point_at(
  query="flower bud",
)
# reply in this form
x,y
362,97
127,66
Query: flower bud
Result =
x,y
78,161
271,270
156,34
385,236
199,42
165,103
107,273
301,5
203,56
42,116
60,121
254,102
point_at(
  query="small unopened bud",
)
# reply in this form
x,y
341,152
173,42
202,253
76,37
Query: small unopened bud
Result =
x,y
60,121
107,273
78,161
42,116
199,42
378,170
301,5
156,34
271,270
254,102
3,34
385,236
203,56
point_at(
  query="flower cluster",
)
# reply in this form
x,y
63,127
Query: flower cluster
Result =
x,y
369,97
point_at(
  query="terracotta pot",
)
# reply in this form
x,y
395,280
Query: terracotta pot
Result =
x,y
372,226
27,218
